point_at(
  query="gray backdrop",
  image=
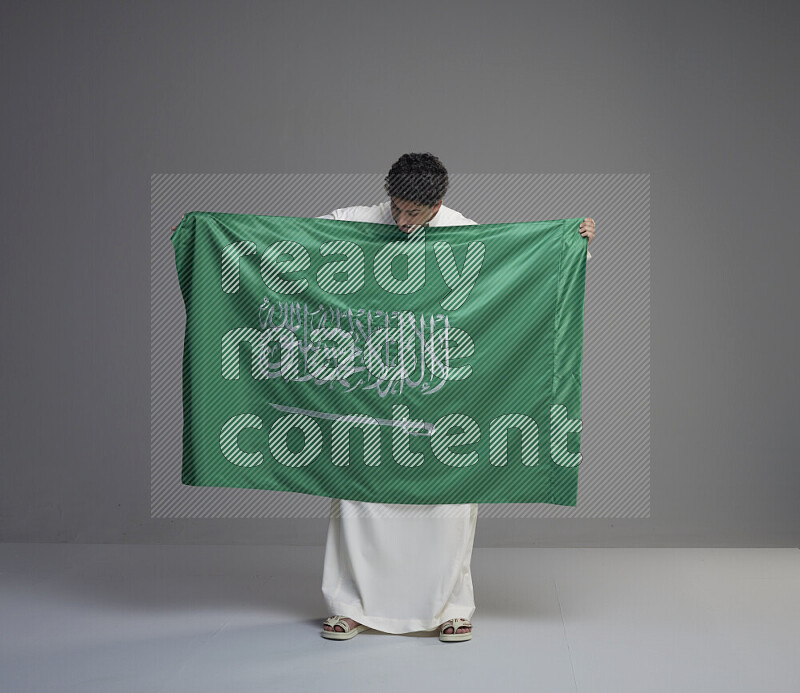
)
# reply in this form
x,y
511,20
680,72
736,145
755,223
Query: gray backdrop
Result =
x,y
700,97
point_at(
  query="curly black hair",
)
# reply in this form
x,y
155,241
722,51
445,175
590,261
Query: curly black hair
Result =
x,y
419,178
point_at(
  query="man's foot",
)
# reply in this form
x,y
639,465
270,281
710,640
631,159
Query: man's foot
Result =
x,y
340,629
461,629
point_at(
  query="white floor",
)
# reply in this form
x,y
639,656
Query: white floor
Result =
x,y
110,618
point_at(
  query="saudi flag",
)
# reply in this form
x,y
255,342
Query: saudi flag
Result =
x,y
351,360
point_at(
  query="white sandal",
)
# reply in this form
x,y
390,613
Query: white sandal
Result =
x,y
455,624
348,633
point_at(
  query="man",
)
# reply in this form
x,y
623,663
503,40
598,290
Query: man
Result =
x,y
409,571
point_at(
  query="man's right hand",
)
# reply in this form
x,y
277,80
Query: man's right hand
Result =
x,y
176,225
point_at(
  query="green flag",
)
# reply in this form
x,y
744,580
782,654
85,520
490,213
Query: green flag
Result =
x,y
351,360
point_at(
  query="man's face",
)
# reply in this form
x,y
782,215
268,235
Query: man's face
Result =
x,y
409,216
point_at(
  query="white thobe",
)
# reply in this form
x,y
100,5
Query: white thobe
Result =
x,y
393,567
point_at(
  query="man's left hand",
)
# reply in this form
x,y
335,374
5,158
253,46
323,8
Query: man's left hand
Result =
x,y
587,228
